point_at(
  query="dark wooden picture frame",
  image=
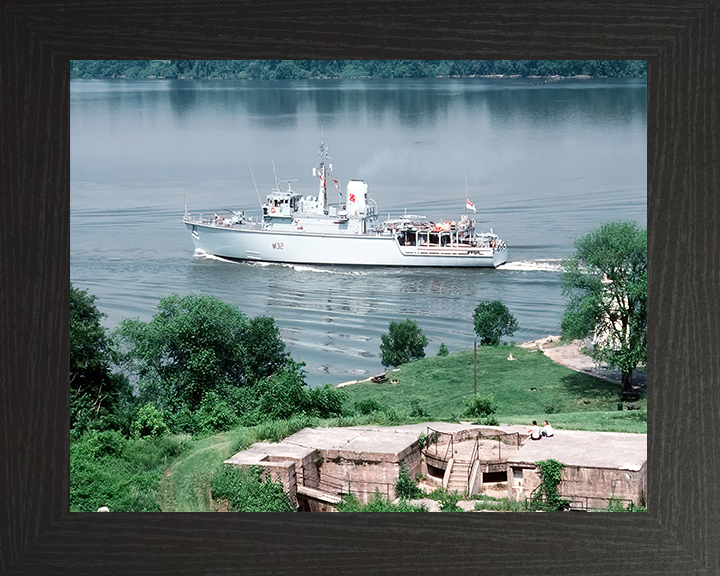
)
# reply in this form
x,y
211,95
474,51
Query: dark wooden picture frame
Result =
x,y
680,532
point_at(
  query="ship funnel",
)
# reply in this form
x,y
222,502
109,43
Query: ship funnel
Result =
x,y
357,198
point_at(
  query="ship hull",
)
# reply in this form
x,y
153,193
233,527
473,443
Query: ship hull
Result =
x,y
331,248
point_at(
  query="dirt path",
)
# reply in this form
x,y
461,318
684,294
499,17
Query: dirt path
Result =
x,y
571,356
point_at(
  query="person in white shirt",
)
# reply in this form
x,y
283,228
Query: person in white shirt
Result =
x,y
547,430
535,431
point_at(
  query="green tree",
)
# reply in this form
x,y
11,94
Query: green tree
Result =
x,y
196,344
605,282
96,393
404,342
492,321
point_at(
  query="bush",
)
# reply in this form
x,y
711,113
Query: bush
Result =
x,y
448,500
417,411
367,406
149,421
108,470
283,394
480,406
214,415
325,401
443,351
405,487
403,342
246,491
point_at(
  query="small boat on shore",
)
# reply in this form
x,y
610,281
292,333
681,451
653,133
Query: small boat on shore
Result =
x,y
308,229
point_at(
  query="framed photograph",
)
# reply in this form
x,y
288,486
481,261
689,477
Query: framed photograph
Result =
x,y
76,213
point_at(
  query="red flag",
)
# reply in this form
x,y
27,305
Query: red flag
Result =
x,y
469,205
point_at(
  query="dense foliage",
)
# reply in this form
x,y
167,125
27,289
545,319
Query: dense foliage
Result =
x,y
606,285
492,321
108,469
305,69
197,344
404,342
480,406
199,367
246,491
98,397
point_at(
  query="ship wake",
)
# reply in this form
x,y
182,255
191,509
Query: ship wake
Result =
x,y
548,265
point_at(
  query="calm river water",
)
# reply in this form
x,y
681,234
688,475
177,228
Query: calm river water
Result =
x,y
544,162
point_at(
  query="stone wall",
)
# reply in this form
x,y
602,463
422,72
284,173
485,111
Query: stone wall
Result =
x,y
285,472
591,486
362,473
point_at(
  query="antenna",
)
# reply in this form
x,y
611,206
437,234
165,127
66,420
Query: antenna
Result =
x,y
466,196
277,184
288,183
255,184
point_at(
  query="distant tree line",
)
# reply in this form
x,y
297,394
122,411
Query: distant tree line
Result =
x,y
319,69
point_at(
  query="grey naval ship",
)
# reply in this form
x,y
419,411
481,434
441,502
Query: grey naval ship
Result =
x,y
309,229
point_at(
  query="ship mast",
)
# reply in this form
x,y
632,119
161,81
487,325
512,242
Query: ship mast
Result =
x,y
322,172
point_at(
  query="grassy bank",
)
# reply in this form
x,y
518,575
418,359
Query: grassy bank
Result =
x,y
185,485
529,387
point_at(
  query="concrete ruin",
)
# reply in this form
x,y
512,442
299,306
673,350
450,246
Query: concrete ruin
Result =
x,y
317,466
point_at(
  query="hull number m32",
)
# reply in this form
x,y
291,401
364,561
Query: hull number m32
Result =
x,y
278,245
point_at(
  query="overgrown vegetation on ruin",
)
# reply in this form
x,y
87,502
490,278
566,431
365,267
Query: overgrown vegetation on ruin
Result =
x,y
150,428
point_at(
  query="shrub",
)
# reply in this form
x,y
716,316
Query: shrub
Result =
x,y
405,487
367,406
214,415
417,411
325,401
246,491
480,405
108,470
448,500
443,350
149,421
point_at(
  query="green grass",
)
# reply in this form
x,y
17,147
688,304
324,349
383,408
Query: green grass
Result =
x,y
531,387
186,484
568,399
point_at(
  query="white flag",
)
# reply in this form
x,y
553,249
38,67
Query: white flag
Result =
x,y
470,205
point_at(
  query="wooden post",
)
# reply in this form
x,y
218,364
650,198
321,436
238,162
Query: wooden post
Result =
x,y
475,366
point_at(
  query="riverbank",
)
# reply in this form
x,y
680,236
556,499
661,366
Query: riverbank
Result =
x,y
573,356
569,355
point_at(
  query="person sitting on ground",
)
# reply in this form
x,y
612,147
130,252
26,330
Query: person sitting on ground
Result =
x,y
535,431
547,430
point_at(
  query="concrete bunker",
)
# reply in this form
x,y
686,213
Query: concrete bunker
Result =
x,y
317,466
